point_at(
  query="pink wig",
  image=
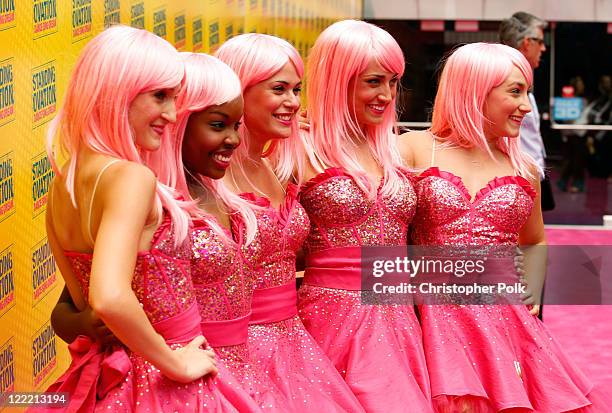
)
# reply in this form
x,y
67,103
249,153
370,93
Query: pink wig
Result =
x,y
256,57
208,82
340,54
115,67
469,74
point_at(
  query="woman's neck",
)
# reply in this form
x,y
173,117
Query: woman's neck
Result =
x,y
198,191
256,147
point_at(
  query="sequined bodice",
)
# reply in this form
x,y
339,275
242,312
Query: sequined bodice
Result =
x,y
446,215
221,277
280,234
161,280
342,215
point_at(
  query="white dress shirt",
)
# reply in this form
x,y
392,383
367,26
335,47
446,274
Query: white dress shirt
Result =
x,y
531,139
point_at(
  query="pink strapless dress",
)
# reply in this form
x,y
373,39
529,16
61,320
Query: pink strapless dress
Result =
x,y
118,380
278,342
376,348
223,282
490,358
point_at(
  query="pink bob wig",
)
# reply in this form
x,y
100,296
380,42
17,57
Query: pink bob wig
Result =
x,y
115,66
340,54
257,57
469,74
208,82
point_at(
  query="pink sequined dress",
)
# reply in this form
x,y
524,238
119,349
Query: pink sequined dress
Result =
x,y
118,380
376,348
488,358
278,342
223,282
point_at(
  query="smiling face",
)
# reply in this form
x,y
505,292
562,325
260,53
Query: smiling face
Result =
x,y
149,114
505,106
371,93
210,138
271,105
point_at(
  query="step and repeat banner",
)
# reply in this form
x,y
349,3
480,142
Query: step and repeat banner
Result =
x,y
39,43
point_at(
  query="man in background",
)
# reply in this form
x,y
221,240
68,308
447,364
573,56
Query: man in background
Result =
x,y
525,32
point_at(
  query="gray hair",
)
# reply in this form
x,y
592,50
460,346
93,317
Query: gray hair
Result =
x,y
521,25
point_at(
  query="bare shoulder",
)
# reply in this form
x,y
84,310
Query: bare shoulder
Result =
x,y
412,145
534,179
127,180
130,173
311,164
309,172
415,138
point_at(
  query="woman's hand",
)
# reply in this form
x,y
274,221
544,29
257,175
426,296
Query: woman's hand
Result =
x,y
193,362
519,263
532,240
534,309
528,297
93,327
69,323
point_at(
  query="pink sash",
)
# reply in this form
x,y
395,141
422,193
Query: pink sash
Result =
x,y
96,370
180,328
274,304
225,333
338,268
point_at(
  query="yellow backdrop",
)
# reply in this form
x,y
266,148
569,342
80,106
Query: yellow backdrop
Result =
x,y
39,43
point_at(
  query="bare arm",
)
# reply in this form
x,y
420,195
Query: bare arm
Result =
x,y
532,240
69,323
126,194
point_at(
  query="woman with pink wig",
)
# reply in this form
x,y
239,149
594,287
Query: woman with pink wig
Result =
x,y
271,70
358,195
477,190
209,113
119,236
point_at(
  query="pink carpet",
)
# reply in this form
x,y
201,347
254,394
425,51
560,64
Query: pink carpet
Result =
x,y
585,332
578,236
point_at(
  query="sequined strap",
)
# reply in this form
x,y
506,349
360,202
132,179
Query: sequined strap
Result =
x,y
225,333
180,328
274,304
338,268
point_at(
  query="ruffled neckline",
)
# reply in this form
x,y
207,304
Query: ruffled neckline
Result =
x,y
284,209
322,177
490,186
336,171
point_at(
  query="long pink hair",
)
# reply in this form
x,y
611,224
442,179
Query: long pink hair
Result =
x,y
469,74
256,57
340,54
208,82
115,67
